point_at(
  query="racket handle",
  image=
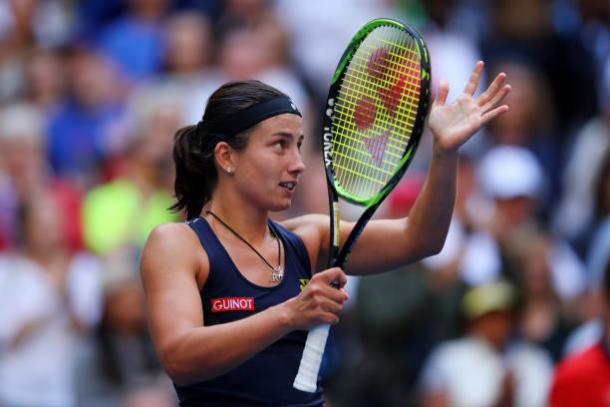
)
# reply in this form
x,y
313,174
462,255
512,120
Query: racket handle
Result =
x,y
307,376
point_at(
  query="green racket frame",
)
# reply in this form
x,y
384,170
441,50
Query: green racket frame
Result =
x,y
335,189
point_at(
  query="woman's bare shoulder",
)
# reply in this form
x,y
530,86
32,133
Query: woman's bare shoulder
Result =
x,y
171,236
172,245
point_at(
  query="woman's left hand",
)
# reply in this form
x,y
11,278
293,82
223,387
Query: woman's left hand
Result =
x,y
453,124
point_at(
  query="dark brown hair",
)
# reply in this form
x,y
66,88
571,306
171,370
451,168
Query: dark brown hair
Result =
x,y
196,173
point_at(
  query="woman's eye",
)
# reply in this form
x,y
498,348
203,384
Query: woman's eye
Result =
x,y
279,145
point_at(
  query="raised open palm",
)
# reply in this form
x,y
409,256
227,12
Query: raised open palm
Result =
x,y
453,124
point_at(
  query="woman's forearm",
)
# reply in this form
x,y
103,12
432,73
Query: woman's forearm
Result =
x,y
429,219
205,352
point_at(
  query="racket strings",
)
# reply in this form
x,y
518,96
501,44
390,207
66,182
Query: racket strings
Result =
x,y
375,111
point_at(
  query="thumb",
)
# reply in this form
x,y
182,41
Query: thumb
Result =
x,y
334,276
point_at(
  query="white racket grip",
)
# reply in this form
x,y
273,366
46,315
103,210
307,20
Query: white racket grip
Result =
x,y
307,376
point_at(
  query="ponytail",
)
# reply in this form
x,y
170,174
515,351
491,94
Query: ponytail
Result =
x,y
196,174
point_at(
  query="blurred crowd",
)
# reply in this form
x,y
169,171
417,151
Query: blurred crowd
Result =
x,y
91,93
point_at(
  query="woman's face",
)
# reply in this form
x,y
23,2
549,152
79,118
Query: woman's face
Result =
x,y
267,170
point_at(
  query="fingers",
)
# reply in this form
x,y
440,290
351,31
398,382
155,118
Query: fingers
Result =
x,y
497,97
475,77
443,91
322,301
486,117
492,89
331,305
489,109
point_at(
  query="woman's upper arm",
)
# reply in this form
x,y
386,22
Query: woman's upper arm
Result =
x,y
384,244
170,266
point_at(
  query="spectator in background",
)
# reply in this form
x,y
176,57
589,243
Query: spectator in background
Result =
x,y
256,52
25,24
578,215
523,30
595,35
187,62
484,367
45,79
49,302
91,16
599,254
190,46
121,213
21,150
121,366
548,271
24,170
135,40
583,379
544,319
514,179
243,13
530,124
598,257
89,125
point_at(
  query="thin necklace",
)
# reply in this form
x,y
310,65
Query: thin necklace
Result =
x,y
276,272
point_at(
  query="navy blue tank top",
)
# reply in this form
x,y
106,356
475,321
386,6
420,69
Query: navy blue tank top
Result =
x,y
265,379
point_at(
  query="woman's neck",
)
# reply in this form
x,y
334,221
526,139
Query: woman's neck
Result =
x,y
250,222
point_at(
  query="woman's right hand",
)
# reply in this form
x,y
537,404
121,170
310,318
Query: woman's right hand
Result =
x,y
321,300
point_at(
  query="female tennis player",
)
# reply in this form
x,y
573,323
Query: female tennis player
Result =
x,y
231,293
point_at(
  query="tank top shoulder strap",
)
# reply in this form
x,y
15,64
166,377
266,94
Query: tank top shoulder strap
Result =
x,y
207,238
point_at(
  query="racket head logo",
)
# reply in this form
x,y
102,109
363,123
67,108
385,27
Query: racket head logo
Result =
x,y
376,146
328,147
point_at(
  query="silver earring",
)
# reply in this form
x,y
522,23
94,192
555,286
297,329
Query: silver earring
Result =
x,y
229,170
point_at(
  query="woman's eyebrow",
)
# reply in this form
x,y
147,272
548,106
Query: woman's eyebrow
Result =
x,y
290,135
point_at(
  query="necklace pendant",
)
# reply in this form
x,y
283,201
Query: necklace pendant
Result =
x,y
277,275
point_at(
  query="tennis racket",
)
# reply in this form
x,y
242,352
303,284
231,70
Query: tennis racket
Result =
x,y
376,108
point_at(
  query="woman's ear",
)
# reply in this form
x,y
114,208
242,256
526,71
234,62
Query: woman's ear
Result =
x,y
225,157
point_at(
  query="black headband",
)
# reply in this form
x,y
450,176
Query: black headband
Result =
x,y
248,117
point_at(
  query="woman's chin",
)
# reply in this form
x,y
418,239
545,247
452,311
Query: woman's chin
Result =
x,y
282,205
